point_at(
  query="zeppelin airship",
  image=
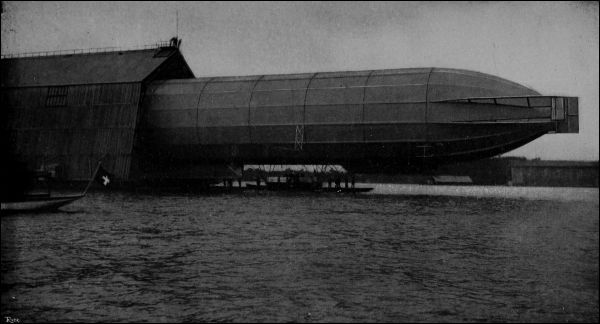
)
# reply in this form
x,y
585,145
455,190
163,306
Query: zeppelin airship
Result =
x,y
367,121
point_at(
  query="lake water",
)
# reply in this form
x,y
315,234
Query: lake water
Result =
x,y
401,253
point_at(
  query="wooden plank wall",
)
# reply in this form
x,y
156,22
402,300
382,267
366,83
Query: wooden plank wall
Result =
x,y
74,128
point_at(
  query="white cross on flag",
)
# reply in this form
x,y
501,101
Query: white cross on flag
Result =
x,y
103,177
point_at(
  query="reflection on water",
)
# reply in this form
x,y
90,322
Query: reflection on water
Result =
x,y
535,193
264,256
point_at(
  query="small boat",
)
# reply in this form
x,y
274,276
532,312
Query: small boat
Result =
x,y
35,204
43,202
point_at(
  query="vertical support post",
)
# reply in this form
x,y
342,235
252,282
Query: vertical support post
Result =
x,y
299,139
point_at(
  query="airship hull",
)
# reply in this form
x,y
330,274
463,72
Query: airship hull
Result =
x,y
369,121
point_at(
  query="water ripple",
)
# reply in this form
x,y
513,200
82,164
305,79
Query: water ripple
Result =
x,y
279,258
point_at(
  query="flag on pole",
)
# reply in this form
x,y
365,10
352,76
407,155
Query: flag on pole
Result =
x,y
103,177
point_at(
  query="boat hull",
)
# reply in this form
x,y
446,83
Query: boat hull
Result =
x,y
38,204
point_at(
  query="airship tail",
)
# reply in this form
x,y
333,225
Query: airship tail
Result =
x,y
563,112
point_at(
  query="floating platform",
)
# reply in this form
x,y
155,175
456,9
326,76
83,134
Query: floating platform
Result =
x,y
308,188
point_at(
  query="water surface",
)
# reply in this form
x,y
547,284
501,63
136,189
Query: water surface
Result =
x,y
264,256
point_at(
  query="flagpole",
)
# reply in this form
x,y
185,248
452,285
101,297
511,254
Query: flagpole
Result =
x,y
92,179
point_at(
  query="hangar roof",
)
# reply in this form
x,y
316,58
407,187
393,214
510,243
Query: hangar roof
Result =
x,y
90,68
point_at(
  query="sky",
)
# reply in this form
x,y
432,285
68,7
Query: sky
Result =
x,y
552,47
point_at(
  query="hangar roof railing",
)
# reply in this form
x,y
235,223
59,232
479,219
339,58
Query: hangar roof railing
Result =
x,y
86,50
91,66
